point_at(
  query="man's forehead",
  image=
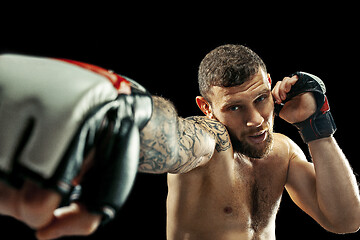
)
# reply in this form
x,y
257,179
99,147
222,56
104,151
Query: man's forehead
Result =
x,y
258,83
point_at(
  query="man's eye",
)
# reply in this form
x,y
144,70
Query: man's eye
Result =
x,y
234,108
261,98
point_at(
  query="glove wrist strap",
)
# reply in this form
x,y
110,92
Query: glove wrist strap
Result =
x,y
316,127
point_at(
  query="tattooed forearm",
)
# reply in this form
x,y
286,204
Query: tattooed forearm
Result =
x,y
196,145
172,144
159,147
217,129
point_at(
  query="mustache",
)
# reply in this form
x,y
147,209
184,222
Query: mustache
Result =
x,y
266,125
250,132
256,130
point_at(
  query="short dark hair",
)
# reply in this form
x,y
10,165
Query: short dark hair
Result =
x,y
227,66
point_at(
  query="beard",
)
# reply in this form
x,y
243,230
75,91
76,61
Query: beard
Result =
x,y
250,150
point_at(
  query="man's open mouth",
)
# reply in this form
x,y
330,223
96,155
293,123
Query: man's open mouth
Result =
x,y
258,137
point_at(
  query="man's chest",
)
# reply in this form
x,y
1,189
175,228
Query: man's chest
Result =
x,y
249,194
259,192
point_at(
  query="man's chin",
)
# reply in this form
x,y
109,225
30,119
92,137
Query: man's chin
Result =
x,y
261,152
253,150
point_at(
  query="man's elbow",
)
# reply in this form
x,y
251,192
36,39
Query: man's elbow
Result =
x,y
354,221
349,224
353,228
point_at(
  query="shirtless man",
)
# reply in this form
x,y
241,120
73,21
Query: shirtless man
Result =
x,y
232,168
226,170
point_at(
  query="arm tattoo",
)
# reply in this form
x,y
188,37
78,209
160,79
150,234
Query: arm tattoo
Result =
x,y
172,144
218,130
158,139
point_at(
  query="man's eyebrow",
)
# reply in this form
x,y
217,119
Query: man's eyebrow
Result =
x,y
265,90
229,103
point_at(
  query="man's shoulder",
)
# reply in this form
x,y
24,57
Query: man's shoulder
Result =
x,y
281,138
284,146
284,140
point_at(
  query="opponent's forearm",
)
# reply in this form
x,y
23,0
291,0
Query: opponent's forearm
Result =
x,y
336,187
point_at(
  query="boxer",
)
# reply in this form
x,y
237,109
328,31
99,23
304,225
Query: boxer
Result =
x,y
227,171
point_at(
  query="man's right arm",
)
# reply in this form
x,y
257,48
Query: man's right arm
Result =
x,y
176,145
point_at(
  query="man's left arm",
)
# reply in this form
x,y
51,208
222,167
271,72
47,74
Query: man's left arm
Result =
x,y
337,189
325,189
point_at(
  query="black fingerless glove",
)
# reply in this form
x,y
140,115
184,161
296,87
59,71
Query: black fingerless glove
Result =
x,y
319,125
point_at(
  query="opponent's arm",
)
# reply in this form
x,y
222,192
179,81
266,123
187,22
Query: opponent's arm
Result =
x,y
172,144
325,189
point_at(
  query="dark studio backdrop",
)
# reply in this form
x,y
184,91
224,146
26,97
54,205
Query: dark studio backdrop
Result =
x,y
165,58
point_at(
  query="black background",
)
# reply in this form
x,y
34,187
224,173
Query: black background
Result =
x,y
162,51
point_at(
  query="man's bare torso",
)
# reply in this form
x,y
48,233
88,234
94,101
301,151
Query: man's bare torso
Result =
x,y
228,198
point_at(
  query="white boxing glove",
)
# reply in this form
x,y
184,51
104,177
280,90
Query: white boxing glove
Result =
x,y
53,111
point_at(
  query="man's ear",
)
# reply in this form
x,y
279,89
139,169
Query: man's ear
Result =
x,y
204,106
269,79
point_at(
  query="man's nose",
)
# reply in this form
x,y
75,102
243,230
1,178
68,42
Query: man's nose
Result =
x,y
255,119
